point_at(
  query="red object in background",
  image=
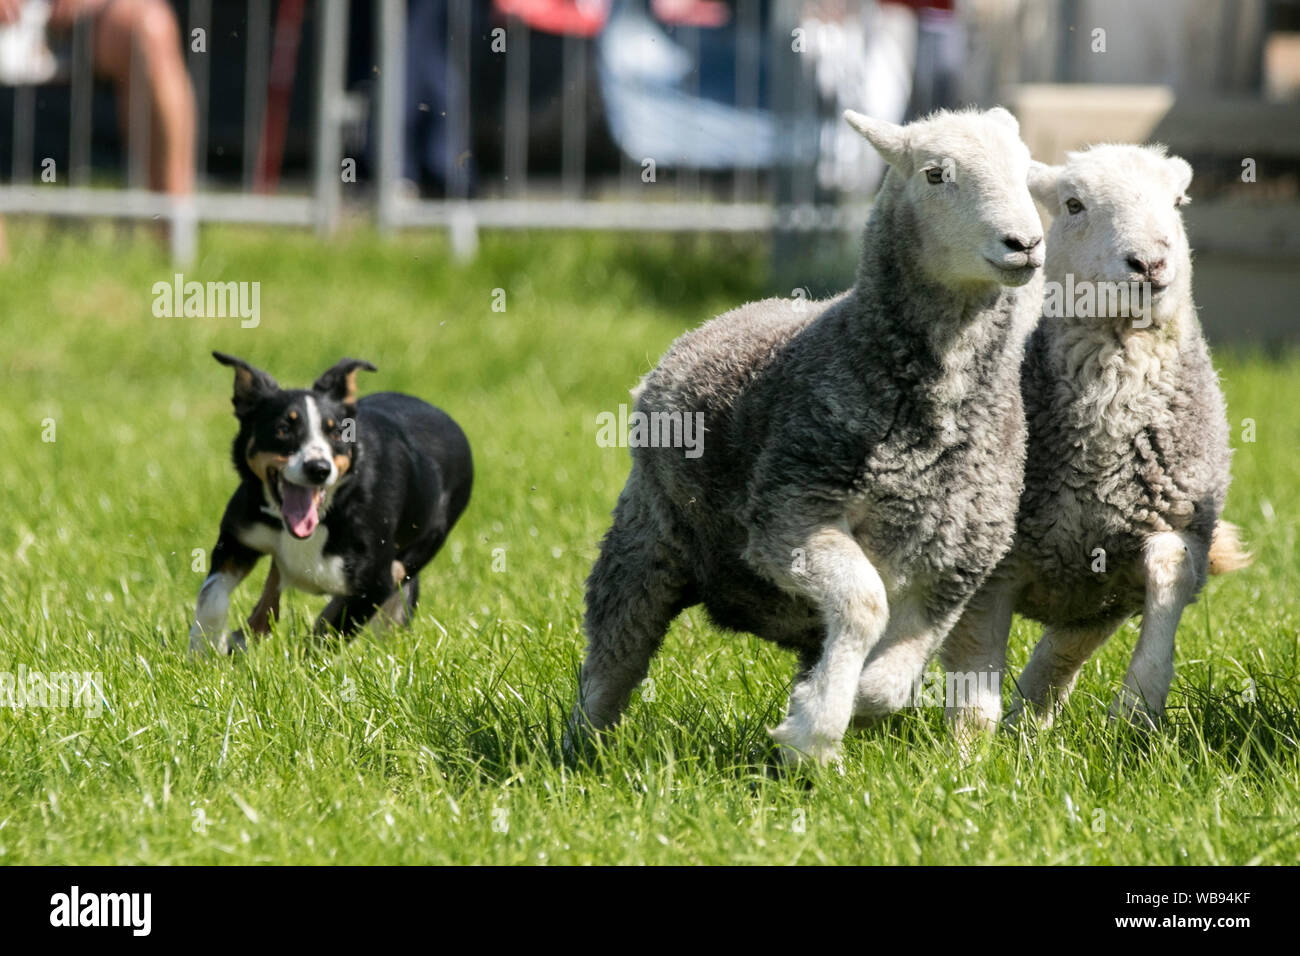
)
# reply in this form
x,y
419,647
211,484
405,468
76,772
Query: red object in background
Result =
x,y
923,4
284,63
691,13
583,18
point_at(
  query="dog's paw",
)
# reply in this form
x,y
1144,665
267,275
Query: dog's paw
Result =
x,y
224,643
199,643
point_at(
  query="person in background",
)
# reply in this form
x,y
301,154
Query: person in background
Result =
x,y
149,26
436,157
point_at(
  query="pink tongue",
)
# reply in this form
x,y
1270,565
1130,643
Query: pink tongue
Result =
x,y
299,509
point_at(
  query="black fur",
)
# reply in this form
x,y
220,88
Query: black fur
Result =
x,y
405,473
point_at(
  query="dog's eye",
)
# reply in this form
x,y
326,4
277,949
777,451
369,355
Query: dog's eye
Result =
x,y
1182,200
934,175
282,430
1073,207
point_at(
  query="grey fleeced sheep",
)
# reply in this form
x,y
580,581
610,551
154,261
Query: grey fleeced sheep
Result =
x,y
862,456
1128,449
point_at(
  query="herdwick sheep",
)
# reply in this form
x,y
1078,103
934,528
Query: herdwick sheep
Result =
x,y
863,456
1128,446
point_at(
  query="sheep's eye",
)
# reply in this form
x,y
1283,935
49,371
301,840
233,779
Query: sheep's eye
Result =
x,y
1073,207
1182,201
934,175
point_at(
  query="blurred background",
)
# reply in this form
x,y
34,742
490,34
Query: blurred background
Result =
x,y
679,116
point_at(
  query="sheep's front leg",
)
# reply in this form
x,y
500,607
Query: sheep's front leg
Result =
x,y
829,569
1171,584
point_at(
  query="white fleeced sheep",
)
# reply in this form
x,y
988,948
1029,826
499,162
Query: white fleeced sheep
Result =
x,y
862,457
1128,461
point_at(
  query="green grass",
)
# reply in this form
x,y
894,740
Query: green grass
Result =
x,y
407,748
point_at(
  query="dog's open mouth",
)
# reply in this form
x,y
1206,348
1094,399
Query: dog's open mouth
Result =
x,y
299,505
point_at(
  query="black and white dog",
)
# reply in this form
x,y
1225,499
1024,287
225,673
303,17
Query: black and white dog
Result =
x,y
350,498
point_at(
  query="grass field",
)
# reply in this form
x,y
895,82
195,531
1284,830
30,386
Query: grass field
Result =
x,y
440,744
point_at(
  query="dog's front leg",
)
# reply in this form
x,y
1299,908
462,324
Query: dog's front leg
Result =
x,y
378,590
231,563
267,611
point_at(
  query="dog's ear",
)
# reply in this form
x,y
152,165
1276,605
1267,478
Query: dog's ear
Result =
x,y
251,384
340,382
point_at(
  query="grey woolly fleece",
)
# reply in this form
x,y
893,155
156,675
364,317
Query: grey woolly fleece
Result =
x,y
894,408
1128,438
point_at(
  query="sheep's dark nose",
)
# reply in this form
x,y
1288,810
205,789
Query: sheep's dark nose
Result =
x,y
316,469
1017,244
1145,267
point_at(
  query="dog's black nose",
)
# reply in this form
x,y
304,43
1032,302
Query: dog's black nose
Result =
x,y
316,469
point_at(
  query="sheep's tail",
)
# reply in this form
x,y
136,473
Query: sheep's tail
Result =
x,y
1227,553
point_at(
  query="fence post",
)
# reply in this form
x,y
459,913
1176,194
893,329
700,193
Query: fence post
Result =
x,y
200,64
183,237
257,66
331,51
391,33
80,117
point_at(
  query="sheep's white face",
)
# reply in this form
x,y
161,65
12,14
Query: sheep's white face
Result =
x,y
965,181
1117,220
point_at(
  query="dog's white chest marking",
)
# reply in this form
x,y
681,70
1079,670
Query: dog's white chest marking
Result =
x,y
302,562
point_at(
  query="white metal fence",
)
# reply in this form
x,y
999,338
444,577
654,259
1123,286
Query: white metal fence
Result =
x,y
780,191
770,155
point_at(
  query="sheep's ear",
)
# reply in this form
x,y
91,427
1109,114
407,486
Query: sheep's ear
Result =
x,y
1004,117
1180,173
889,140
251,384
1042,182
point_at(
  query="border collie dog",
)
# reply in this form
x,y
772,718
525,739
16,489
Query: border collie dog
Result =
x,y
349,498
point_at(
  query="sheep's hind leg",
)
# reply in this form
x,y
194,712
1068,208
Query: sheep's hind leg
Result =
x,y
635,590
1054,667
1171,584
974,658
893,670
830,570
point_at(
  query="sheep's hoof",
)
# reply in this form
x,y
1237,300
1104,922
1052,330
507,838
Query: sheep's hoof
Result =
x,y
796,751
579,745
1030,717
971,730
1131,709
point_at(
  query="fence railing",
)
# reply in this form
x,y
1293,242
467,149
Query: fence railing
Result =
x,y
748,161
